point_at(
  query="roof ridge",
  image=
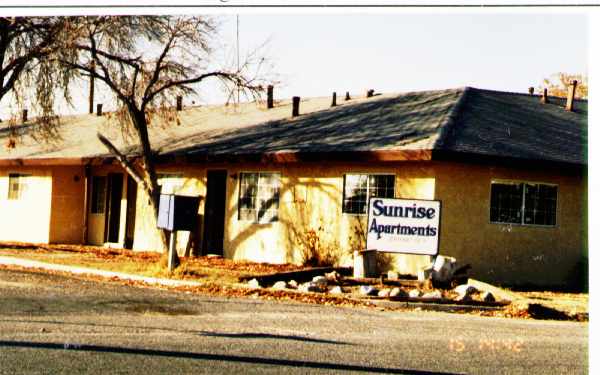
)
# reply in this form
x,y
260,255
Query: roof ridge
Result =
x,y
449,120
514,93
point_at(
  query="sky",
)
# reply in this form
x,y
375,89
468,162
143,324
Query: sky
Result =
x,y
316,54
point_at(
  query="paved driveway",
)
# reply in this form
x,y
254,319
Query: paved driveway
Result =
x,y
54,324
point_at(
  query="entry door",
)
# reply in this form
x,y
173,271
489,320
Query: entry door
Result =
x,y
130,218
113,204
214,212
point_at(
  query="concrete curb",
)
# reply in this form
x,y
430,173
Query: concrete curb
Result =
x,y
10,261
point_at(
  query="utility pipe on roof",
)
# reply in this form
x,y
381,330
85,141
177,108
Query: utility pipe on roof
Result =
x,y
571,96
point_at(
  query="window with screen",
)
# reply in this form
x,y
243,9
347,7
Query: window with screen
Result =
x,y
258,199
523,203
17,185
358,188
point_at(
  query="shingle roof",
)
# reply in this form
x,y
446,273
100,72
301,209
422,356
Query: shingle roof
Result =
x,y
466,121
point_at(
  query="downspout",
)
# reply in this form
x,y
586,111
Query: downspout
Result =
x,y
86,198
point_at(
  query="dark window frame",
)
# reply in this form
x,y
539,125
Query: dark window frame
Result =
x,y
355,206
537,208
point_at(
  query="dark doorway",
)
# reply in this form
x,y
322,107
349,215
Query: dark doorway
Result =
x,y
214,212
113,204
130,218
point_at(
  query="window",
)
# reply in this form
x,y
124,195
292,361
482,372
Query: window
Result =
x,y
359,187
259,197
17,185
98,194
523,203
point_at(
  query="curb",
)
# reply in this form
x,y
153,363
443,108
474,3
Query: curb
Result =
x,y
10,261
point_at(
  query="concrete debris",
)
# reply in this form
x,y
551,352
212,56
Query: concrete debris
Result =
x,y
321,280
465,290
414,293
292,284
333,276
424,273
254,284
313,287
488,297
279,285
384,293
368,290
392,275
436,294
397,292
336,290
443,269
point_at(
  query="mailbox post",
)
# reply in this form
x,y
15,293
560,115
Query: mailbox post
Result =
x,y
177,212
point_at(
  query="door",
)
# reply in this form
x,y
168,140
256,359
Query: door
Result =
x,y
113,204
214,212
130,218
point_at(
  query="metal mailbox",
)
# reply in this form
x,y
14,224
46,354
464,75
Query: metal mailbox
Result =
x,y
177,212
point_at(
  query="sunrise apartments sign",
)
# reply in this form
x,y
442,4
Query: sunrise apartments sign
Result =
x,y
409,226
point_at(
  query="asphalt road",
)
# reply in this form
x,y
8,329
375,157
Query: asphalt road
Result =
x,y
58,325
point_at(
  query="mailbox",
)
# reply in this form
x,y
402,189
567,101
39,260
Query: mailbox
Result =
x,y
177,212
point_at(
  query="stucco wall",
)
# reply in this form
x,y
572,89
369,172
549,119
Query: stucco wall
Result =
x,y
26,219
67,209
511,254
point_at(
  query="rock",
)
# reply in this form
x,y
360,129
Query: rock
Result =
x,y
465,290
424,273
414,293
393,275
488,297
321,280
254,284
464,298
384,293
436,294
312,287
397,292
368,290
443,269
292,284
333,276
279,285
43,330
336,290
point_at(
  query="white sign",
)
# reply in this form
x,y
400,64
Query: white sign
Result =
x,y
409,226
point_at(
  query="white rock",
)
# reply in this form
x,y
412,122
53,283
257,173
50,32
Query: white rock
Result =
x,y
465,289
320,280
279,285
333,276
393,275
384,293
367,290
312,287
254,284
397,292
436,294
424,273
336,290
488,297
414,293
292,284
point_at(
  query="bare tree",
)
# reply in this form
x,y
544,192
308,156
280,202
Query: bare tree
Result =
x,y
146,62
26,44
558,85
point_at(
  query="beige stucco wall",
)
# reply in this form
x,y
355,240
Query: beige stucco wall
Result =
x,y
67,208
511,254
26,219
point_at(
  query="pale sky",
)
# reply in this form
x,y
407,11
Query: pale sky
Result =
x,y
316,54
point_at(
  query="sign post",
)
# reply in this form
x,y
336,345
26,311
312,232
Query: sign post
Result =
x,y
406,226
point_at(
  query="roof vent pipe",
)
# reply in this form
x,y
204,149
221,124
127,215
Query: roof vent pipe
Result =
x,y
370,93
179,103
24,115
99,109
571,96
270,96
347,95
531,89
544,98
334,100
295,106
